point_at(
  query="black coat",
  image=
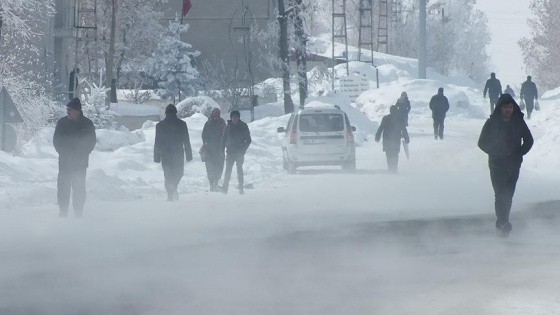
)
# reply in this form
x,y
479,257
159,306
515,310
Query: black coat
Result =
x,y
212,135
172,143
493,87
393,130
403,106
439,104
74,141
529,90
237,138
503,141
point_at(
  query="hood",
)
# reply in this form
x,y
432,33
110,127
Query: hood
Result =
x,y
504,99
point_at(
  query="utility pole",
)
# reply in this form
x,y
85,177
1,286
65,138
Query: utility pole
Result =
x,y
110,57
422,53
301,52
283,44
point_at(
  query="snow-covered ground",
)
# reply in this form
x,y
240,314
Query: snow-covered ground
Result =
x,y
318,242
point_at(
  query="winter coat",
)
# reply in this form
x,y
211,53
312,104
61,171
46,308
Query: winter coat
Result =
x,y
529,90
74,141
439,104
212,135
509,91
237,138
393,130
403,107
505,141
172,144
493,87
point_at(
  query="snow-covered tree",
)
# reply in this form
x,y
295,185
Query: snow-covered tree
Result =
x,y
20,61
540,49
172,63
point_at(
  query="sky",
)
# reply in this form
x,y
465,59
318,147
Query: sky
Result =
x,y
508,24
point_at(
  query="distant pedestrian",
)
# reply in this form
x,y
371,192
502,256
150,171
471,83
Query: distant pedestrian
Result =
x,y
74,139
171,147
73,86
212,135
505,137
494,89
403,108
392,129
529,94
236,141
509,91
439,104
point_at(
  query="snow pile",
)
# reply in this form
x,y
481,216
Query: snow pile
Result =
x,y
129,109
197,104
110,140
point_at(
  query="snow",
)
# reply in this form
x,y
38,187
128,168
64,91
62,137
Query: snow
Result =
x,y
319,242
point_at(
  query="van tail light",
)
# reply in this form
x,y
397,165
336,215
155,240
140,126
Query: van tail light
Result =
x,y
293,136
349,137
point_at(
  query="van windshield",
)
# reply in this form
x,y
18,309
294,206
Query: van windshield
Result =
x,y
321,122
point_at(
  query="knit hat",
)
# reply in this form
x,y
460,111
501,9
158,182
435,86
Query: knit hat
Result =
x,y
75,104
171,109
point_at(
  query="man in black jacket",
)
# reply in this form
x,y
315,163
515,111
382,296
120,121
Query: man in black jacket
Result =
x,y
212,135
494,89
172,145
236,141
439,104
529,94
403,108
74,139
505,137
393,129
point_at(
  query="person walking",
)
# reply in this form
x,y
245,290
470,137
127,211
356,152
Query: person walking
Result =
x,y
494,89
509,91
212,135
506,138
439,104
236,141
392,129
403,108
171,147
74,139
529,94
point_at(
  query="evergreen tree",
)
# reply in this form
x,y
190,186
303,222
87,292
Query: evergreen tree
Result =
x,y
172,63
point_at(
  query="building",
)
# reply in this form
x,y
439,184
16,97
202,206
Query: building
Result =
x,y
216,30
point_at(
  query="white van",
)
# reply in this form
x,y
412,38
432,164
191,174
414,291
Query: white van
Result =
x,y
319,136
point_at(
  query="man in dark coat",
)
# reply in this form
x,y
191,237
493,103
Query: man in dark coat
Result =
x,y
494,89
236,141
439,104
212,135
505,137
73,84
403,108
529,94
509,91
74,139
393,130
172,145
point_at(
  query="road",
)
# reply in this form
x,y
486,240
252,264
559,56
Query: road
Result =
x,y
318,242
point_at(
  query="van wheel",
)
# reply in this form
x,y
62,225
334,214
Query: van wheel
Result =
x,y
349,165
292,168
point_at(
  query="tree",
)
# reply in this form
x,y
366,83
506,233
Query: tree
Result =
x,y
20,61
540,49
172,63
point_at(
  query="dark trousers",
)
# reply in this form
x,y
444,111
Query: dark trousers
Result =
x,y
392,160
172,172
71,181
438,127
214,170
530,105
238,159
493,101
504,175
